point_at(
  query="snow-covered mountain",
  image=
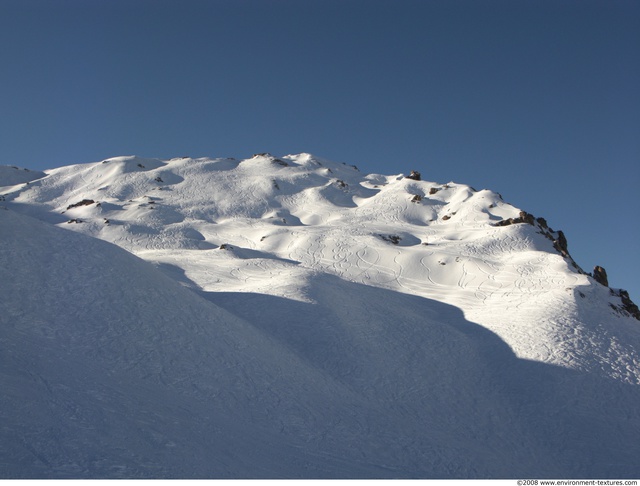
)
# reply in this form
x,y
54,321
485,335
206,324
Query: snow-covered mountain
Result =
x,y
293,317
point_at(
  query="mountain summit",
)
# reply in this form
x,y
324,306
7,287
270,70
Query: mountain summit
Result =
x,y
293,317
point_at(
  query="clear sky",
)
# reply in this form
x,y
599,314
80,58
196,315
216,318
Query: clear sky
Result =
x,y
537,100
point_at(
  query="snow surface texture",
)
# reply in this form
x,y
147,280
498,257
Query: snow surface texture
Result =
x,y
292,317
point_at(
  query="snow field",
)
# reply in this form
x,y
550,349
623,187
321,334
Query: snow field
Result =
x,y
291,317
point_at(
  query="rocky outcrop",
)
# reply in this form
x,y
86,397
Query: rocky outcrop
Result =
x,y
524,217
527,218
415,175
600,275
628,305
558,238
560,244
84,202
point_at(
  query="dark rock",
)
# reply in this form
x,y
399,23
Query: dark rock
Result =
x,y
560,244
84,202
627,307
542,222
433,190
527,218
523,218
506,222
415,175
628,304
600,276
417,198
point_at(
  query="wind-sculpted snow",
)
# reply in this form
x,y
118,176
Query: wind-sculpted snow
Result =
x,y
292,317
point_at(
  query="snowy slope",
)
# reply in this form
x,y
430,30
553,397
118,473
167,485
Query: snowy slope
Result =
x,y
11,175
302,320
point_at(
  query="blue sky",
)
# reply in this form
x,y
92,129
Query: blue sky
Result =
x,y
537,100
